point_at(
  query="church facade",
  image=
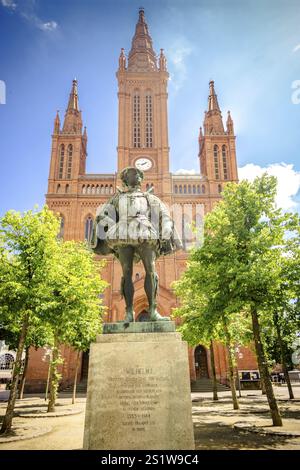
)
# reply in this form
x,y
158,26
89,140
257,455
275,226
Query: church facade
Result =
x,y
143,142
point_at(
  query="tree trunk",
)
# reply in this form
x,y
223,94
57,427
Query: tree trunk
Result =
x,y
231,367
213,369
54,377
7,421
23,380
263,367
283,357
262,383
75,378
232,379
48,377
239,382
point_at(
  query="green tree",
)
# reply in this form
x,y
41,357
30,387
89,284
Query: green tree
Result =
x,y
74,308
281,333
205,318
244,238
27,243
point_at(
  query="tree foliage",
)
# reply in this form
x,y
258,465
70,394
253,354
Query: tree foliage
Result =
x,y
245,271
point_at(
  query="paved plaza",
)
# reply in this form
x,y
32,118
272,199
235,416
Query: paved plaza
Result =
x,y
216,424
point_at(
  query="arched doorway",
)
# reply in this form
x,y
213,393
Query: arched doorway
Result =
x,y
201,367
143,316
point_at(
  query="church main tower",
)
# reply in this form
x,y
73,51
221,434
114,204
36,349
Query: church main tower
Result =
x,y
143,118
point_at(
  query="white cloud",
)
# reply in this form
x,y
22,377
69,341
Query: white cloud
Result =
x,y
288,181
36,21
49,26
26,10
185,172
296,48
10,4
177,55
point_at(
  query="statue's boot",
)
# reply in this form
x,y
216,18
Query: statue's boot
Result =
x,y
155,316
129,317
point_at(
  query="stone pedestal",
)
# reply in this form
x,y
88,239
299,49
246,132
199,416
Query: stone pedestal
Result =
x,y
139,391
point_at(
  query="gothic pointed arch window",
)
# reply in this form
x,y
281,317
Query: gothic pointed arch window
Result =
x,y
148,119
88,228
219,188
176,189
61,161
70,157
224,160
136,125
216,162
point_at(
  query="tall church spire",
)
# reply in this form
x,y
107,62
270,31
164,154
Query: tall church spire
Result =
x,y
73,100
229,124
142,57
216,147
213,104
213,123
56,123
73,121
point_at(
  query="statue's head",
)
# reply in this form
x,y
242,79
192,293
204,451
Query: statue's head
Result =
x,y
132,177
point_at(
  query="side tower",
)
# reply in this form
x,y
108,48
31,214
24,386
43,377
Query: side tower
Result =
x,y
217,151
68,154
143,119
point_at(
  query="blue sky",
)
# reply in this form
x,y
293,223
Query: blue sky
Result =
x,y
248,47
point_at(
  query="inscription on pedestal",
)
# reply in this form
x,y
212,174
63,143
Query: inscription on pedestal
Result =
x,y
138,393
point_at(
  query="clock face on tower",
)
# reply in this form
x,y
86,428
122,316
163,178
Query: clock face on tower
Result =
x,y
143,163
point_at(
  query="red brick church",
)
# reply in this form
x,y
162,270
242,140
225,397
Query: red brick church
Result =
x,y
142,78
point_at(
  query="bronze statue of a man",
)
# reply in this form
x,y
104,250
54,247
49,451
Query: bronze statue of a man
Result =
x,y
135,225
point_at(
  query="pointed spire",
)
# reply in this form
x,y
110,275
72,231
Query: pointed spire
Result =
x,y
122,60
229,124
73,100
72,121
200,134
213,123
213,104
84,142
141,57
56,123
162,61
